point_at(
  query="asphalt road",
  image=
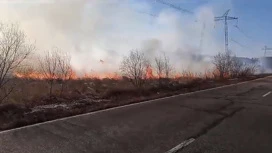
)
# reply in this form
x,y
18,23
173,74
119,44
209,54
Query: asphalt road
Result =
x,y
231,119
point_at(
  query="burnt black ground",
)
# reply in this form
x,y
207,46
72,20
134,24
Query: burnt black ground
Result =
x,y
230,119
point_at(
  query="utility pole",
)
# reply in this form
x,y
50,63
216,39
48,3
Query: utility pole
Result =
x,y
225,18
266,49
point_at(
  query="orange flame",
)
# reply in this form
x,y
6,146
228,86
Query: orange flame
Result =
x,y
177,76
74,76
33,75
71,75
149,72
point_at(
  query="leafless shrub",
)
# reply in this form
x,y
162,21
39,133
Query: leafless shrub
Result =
x,y
25,71
49,67
134,67
222,63
168,68
190,75
56,65
208,74
236,67
14,49
64,68
248,70
159,67
163,68
227,65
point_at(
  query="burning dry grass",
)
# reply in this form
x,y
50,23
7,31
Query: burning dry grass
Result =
x,y
36,75
31,87
33,92
30,102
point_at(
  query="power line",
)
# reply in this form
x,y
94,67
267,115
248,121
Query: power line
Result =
x,y
150,14
247,36
242,31
189,12
241,45
174,7
248,48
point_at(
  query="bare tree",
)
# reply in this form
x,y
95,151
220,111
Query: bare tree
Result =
x,y
24,71
222,63
64,68
168,68
134,67
163,66
240,69
14,49
236,67
49,67
229,65
159,67
247,70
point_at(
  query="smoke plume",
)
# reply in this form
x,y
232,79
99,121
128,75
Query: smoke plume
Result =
x,y
94,30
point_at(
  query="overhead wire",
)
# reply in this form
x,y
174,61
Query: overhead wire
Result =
x,y
240,30
150,14
241,45
175,7
189,12
246,35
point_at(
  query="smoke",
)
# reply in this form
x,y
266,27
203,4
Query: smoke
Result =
x,y
107,30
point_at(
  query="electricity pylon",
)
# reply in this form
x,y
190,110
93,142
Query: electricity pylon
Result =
x,y
225,18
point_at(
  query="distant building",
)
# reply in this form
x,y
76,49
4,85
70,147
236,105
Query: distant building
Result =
x,y
263,64
266,64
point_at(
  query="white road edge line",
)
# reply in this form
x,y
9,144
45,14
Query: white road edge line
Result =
x,y
267,94
181,145
129,105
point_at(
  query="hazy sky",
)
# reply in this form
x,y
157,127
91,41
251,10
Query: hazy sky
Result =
x,y
254,22
108,29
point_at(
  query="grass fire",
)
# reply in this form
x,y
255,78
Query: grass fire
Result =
x,y
95,64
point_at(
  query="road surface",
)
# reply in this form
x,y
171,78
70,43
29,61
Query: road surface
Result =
x,y
236,119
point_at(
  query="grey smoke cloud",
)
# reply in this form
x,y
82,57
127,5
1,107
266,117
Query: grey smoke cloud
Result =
x,y
109,29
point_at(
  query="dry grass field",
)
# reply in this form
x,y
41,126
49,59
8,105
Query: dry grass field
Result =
x,y
31,103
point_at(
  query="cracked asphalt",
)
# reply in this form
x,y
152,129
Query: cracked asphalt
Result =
x,y
248,130
231,119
